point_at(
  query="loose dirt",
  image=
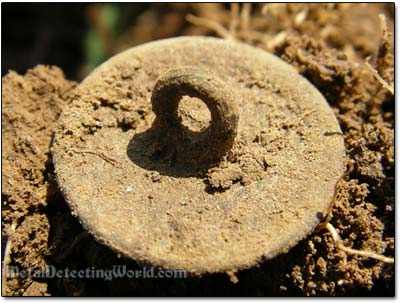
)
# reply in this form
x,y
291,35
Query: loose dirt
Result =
x,y
325,45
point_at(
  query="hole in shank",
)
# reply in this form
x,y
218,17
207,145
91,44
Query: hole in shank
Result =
x,y
194,114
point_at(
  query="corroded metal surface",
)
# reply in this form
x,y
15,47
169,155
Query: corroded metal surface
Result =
x,y
147,191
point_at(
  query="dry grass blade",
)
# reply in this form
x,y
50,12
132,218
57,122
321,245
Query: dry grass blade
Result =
x,y
99,154
6,260
351,251
234,19
379,78
210,24
245,17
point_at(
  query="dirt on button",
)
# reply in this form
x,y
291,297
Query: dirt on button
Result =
x,y
363,212
272,132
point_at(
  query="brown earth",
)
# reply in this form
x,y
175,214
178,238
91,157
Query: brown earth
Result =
x,y
327,43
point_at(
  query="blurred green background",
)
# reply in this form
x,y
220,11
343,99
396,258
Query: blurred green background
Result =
x,y
75,37
79,36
